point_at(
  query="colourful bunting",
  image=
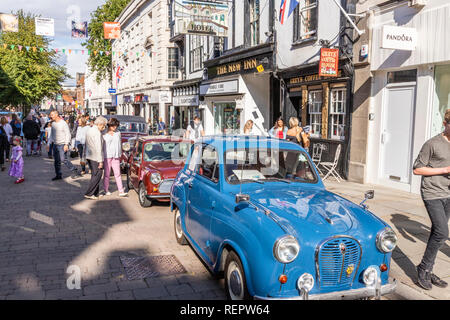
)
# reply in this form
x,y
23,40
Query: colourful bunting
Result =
x,y
20,48
34,49
12,46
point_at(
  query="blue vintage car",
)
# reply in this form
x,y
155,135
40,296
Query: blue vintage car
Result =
x,y
256,211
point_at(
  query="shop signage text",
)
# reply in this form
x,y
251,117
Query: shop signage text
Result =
x,y
225,87
185,101
399,38
254,64
309,78
329,62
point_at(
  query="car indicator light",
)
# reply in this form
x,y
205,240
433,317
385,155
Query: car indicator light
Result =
x,y
283,279
383,267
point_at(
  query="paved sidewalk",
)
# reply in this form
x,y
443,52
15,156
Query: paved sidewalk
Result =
x,y
406,214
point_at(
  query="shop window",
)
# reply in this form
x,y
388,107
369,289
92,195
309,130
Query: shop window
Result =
x,y
338,101
441,98
227,118
254,22
315,113
172,63
305,20
402,76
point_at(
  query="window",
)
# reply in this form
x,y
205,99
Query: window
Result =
x,y
172,63
337,113
441,98
402,76
315,113
196,53
305,20
254,22
209,167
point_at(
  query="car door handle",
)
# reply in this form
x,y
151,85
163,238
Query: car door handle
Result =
x,y
190,185
213,204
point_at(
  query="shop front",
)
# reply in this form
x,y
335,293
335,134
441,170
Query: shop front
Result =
x,y
322,105
185,105
239,89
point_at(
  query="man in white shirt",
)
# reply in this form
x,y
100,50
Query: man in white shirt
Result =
x,y
61,139
95,156
195,129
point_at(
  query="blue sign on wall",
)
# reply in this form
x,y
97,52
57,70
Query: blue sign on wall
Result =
x,y
111,90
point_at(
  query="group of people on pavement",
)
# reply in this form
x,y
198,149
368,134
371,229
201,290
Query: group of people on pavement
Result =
x,y
99,147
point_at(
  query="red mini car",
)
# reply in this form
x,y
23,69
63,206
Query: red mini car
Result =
x,y
153,164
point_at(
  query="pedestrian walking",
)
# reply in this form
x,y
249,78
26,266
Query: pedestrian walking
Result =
x,y
195,129
31,131
80,142
16,125
433,164
112,152
296,133
279,130
9,135
61,137
4,143
16,168
95,157
48,139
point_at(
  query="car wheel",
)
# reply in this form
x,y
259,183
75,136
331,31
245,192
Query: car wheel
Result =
x,y
179,235
129,184
235,283
142,195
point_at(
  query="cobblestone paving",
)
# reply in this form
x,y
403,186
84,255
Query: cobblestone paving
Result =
x,y
47,226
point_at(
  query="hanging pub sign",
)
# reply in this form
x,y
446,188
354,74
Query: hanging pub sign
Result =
x,y
9,23
111,30
247,65
329,62
202,17
44,26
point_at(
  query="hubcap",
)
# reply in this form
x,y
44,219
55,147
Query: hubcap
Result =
x,y
142,195
235,282
178,224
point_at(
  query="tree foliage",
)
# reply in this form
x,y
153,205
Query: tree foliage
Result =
x,y
26,77
108,12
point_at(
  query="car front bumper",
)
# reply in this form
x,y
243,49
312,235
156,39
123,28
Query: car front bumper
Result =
x,y
342,295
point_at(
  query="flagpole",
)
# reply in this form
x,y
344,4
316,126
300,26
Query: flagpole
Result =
x,y
360,32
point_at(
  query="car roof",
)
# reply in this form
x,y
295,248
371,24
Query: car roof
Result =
x,y
125,118
241,141
164,139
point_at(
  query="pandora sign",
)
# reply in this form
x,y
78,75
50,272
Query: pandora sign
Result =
x,y
399,38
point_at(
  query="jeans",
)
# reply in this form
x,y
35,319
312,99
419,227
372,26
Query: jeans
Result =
x,y
60,156
50,150
31,145
81,154
113,163
439,212
96,177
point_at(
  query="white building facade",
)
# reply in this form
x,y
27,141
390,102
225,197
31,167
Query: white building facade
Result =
x,y
410,63
146,61
97,99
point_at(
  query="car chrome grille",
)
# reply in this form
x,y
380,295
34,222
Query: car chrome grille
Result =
x,y
165,186
334,258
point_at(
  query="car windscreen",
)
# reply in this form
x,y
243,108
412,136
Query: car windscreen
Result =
x,y
160,151
266,165
134,127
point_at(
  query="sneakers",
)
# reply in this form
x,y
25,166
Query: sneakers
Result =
x,y
438,282
20,180
57,178
76,175
424,279
91,197
123,194
108,193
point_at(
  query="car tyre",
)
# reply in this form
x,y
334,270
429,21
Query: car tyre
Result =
x,y
129,184
235,282
179,234
142,195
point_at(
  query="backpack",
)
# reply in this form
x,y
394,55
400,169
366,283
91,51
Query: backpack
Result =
x,y
3,137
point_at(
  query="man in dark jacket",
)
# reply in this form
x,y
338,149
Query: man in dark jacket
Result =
x,y
31,131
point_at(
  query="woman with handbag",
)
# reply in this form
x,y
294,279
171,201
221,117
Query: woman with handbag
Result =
x,y
296,134
80,142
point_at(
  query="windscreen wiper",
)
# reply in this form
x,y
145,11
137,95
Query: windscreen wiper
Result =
x,y
279,179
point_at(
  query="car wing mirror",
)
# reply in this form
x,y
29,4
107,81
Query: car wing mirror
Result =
x,y
367,196
242,198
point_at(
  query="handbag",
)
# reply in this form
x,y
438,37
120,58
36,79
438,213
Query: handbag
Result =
x,y
73,153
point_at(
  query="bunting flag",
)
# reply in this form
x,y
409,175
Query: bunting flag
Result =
x,y
282,11
292,6
20,48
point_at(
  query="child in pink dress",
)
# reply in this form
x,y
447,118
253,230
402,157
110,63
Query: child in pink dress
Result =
x,y
16,169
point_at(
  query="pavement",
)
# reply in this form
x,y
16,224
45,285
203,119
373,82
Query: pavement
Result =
x,y
406,214
48,230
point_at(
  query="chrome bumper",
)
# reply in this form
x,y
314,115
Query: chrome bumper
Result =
x,y
160,196
342,295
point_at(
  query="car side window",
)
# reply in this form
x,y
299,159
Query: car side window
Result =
x,y
139,150
209,165
195,157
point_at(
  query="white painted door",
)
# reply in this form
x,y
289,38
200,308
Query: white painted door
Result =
x,y
397,133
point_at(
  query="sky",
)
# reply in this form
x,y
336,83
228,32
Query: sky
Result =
x,y
63,12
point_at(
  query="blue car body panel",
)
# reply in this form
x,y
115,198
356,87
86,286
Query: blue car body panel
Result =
x,y
211,221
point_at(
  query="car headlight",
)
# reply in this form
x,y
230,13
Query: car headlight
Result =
x,y
386,240
286,249
305,282
126,146
370,276
155,178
